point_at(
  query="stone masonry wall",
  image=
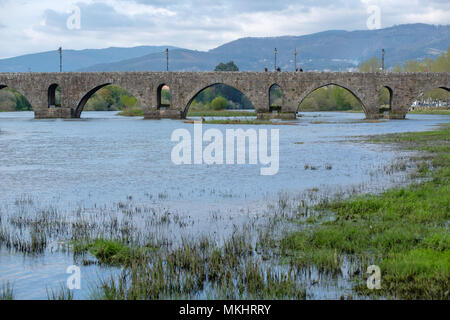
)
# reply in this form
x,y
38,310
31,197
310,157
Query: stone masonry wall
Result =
x,y
296,86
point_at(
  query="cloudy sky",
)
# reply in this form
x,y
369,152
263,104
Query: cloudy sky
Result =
x,y
34,26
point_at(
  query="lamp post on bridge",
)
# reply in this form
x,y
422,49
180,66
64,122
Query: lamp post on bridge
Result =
x,y
295,59
275,51
60,59
167,59
382,60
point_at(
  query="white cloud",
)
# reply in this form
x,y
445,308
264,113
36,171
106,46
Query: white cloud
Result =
x,y
31,26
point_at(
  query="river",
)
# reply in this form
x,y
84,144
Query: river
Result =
x,y
103,159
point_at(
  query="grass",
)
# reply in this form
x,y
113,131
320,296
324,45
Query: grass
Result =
x,y
436,111
242,122
131,112
221,113
403,230
62,294
110,252
7,291
230,272
431,111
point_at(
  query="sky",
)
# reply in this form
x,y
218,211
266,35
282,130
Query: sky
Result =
x,y
36,26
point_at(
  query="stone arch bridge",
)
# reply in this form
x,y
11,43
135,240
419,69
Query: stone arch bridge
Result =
x,y
77,88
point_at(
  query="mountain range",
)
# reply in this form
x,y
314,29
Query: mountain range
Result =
x,y
74,60
333,50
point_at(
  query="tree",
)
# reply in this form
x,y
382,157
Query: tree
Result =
x,y
230,66
219,103
128,101
372,65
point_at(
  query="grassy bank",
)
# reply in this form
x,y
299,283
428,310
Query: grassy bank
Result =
x,y
242,122
417,111
221,113
403,230
431,111
131,112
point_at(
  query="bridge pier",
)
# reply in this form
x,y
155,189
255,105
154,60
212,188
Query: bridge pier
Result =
x,y
54,113
397,116
156,114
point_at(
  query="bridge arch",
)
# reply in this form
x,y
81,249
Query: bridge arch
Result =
x,y
275,97
201,88
315,87
52,94
432,93
385,97
20,99
163,101
86,97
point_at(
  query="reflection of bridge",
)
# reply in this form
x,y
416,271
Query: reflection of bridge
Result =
x,y
77,88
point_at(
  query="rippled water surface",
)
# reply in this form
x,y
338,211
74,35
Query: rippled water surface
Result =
x,y
104,159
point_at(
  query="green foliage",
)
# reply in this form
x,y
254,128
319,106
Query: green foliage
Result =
x,y
236,100
330,98
111,98
403,230
165,96
128,101
441,64
276,96
7,292
132,112
372,65
230,66
11,100
110,252
221,113
219,103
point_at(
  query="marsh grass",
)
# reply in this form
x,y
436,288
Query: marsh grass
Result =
x,y
62,293
200,269
243,122
131,112
7,291
403,230
430,111
221,113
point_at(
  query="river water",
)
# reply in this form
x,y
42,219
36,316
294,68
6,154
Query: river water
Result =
x,y
103,159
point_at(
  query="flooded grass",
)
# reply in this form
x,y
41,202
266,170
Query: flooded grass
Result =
x,y
7,291
243,122
403,230
221,113
61,294
131,112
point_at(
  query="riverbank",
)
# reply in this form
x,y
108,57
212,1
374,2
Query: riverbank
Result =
x,y
138,112
432,111
242,122
222,113
420,111
403,230
131,112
